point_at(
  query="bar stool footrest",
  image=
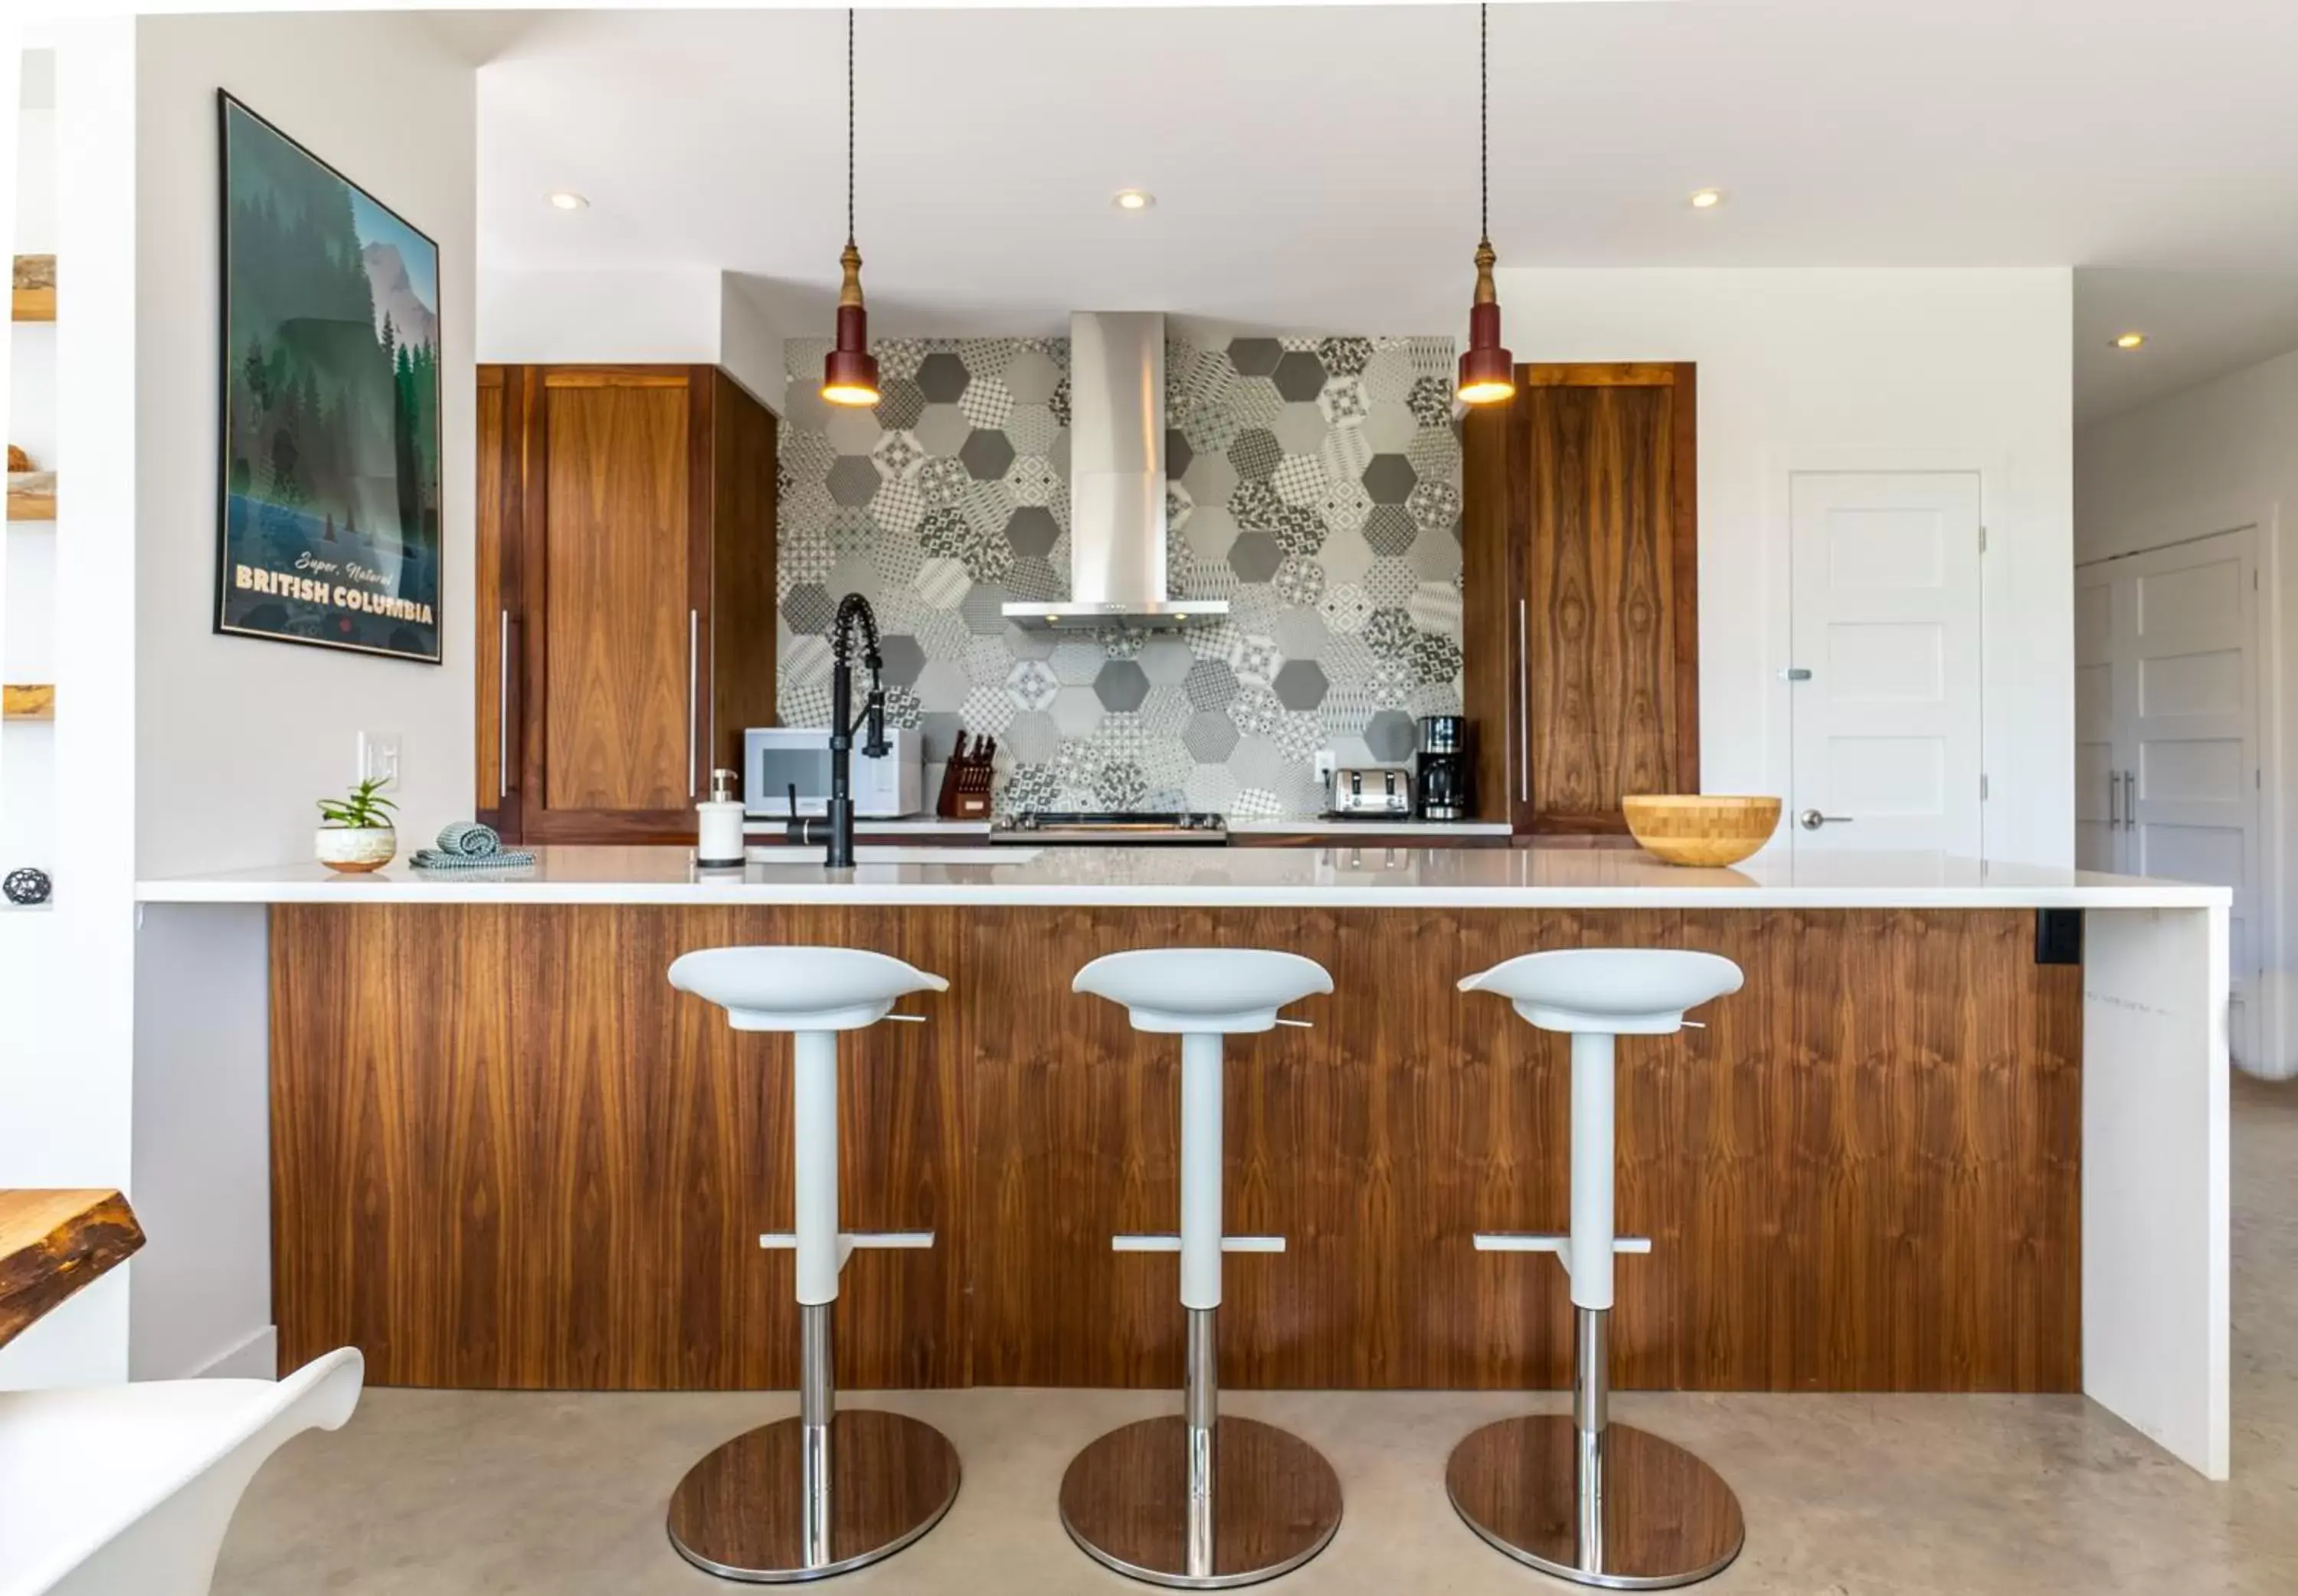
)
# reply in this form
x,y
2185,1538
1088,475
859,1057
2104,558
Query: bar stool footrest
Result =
x,y
850,1242
1529,1241
1172,1243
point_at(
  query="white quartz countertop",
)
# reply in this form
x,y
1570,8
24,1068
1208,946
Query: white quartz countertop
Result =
x,y
1333,876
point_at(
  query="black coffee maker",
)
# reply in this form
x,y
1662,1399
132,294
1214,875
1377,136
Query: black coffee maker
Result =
x,y
1445,772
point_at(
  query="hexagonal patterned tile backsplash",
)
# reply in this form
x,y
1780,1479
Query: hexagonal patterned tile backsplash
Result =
x,y
1315,485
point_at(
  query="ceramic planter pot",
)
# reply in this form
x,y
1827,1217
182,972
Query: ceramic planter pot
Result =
x,y
356,849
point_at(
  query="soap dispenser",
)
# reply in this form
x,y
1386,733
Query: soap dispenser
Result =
x,y
720,843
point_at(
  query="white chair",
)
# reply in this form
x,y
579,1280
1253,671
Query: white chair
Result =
x,y
1579,1497
1201,1499
828,1490
126,1490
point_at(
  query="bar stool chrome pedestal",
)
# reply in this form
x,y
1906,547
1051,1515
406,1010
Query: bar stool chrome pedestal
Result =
x,y
828,1490
1199,1500
1581,1498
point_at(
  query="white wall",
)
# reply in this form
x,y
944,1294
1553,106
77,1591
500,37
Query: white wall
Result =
x,y
2219,457
237,737
1867,369
678,314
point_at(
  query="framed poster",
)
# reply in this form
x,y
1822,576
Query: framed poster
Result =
x,y
327,524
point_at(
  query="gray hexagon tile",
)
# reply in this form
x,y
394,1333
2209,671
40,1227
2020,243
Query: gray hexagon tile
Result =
x,y
1314,485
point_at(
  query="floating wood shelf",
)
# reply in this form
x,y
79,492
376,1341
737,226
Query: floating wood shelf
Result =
x,y
34,294
27,702
31,495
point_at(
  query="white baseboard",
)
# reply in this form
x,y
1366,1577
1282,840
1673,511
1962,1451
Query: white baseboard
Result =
x,y
256,1358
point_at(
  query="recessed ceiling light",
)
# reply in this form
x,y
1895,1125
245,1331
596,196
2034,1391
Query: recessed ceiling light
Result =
x,y
2130,341
566,199
1708,199
1133,199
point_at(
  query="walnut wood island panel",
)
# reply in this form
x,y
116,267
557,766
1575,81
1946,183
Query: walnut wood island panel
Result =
x,y
506,1154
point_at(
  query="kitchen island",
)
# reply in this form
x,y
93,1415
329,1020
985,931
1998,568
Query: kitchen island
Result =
x,y
1907,1156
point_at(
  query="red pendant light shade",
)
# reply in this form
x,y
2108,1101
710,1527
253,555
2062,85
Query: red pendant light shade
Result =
x,y
849,375
1487,371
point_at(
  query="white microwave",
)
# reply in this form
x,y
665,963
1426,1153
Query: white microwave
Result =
x,y
777,760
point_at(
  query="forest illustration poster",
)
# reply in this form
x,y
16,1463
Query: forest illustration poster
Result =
x,y
329,523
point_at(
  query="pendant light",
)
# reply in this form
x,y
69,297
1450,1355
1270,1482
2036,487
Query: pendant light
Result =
x,y
849,376
1487,372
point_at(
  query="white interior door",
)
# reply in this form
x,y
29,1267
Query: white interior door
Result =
x,y
2099,626
2184,649
1886,622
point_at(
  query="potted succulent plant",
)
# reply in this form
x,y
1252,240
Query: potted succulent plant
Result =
x,y
358,834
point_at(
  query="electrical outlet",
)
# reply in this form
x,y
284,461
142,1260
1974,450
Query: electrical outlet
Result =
x,y
1326,762
378,756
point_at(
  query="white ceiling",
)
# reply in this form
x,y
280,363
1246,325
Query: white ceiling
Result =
x,y
1314,166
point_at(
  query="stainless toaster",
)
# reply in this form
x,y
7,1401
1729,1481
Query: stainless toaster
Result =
x,y
1372,792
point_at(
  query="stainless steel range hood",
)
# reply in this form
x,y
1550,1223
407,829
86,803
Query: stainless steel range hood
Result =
x,y
1117,483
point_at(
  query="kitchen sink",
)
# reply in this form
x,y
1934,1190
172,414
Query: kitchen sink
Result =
x,y
892,853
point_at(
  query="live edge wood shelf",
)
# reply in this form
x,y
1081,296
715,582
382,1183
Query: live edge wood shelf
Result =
x,y
32,295
507,1154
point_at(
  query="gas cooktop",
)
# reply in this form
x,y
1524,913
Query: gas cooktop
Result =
x,y
1132,827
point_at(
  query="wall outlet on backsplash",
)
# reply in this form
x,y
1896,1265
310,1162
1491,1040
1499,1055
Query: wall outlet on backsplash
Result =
x,y
1313,482
1327,763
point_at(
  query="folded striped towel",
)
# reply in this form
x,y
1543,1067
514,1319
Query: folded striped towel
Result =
x,y
473,839
468,845
510,858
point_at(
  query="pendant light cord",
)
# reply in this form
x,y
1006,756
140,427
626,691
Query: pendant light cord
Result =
x,y
849,124
1484,123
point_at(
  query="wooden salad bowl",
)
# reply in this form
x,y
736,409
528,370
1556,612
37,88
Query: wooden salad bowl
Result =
x,y
1705,830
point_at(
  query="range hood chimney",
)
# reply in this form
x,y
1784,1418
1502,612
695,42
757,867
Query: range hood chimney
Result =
x,y
1117,483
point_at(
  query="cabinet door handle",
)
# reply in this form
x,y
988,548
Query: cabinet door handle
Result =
x,y
2114,808
1812,820
693,668
2129,800
502,709
1523,708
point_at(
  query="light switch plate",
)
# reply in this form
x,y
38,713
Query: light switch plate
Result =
x,y
378,756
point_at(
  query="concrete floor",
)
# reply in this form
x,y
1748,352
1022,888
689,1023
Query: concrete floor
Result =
x,y
455,1493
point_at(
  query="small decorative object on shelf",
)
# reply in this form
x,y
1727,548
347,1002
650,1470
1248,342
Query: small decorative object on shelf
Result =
x,y
33,296
25,887
27,701
966,778
31,494
359,835
18,460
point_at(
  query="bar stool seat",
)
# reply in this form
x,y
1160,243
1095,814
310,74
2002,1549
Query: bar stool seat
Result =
x,y
828,1490
1200,1499
1578,1496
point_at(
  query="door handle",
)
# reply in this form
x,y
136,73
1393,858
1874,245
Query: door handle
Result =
x,y
2129,800
2113,808
502,709
693,668
1812,820
1523,708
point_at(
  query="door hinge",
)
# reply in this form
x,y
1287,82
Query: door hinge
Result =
x,y
1982,787
1982,539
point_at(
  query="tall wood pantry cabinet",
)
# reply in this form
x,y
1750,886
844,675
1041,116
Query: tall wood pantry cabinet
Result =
x,y
626,606
1580,572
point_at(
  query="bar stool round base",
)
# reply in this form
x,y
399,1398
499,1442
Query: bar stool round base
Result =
x,y
740,1512
1666,1518
1276,1501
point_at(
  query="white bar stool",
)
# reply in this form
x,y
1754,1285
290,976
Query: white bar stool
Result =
x,y
1200,1499
828,1490
1581,1498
